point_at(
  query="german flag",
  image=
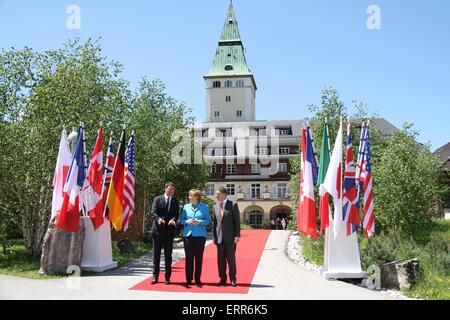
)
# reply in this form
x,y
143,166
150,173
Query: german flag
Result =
x,y
114,200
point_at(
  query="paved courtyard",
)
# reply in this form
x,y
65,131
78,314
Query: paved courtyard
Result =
x,y
277,278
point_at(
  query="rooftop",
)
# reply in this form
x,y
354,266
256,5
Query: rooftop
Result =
x,y
229,60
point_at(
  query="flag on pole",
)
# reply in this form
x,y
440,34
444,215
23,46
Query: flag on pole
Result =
x,y
324,206
108,169
114,200
59,178
69,215
366,177
302,176
307,223
92,188
128,190
359,182
350,205
333,181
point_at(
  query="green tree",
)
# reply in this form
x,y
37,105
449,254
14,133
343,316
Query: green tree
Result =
x,y
155,117
40,92
408,185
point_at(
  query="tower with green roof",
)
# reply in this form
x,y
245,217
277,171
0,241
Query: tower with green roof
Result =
x,y
230,85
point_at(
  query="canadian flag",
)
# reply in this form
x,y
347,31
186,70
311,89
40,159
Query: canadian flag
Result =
x,y
333,181
91,193
61,170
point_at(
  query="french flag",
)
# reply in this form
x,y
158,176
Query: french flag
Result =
x,y
306,221
69,215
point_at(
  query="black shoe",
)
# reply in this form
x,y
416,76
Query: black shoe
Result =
x,y
233,283
155,281
221,284
188,283
199,284
167,282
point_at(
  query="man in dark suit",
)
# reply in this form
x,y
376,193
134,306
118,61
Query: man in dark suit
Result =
x,y
165,214
227,231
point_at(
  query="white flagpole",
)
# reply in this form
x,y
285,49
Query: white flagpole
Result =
x,y
84,168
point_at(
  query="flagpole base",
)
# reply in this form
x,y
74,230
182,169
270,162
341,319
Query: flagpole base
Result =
x,y
99,269
330,275
97,248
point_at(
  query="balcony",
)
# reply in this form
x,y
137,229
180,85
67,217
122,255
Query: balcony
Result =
x,y
246,177
262,196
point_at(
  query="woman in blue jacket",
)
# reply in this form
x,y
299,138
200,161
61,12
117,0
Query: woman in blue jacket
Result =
x,y
195,218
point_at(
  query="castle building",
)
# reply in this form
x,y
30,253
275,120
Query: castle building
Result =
x,y
247,156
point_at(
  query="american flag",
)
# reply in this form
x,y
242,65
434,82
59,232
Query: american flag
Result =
x,y
350,206
108,169
359,181
128,189
366,177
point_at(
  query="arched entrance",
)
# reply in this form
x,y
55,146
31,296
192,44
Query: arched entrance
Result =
x,y
254,216
278,213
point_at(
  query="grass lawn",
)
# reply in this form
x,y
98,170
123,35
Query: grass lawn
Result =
x,y
434,283
18,263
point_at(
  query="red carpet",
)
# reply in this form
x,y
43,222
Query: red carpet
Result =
x,y
248,254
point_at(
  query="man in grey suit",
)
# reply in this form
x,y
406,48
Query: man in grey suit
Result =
x,y
227,231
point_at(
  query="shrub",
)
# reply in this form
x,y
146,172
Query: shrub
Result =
x,y
407,186
313,250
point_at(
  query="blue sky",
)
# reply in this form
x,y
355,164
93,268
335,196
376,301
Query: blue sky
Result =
x,y
295,48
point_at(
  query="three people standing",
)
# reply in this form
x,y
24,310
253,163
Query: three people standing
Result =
x,y
195,218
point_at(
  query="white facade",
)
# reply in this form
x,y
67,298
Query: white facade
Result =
x,y
235,103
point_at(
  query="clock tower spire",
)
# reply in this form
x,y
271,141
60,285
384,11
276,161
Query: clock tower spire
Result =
x,y
230,85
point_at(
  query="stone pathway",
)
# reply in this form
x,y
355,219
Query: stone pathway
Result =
x,y
277,278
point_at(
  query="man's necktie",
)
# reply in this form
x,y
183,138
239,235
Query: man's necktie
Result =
x,y
221,210
168,204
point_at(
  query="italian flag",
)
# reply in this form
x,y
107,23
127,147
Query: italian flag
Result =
x,y
324,206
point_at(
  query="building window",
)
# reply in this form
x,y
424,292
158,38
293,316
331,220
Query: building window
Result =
x,y
231,168
284,151
227,133
210,152
228,84
213,168
240,83
227,152
228,67
239,114
282,190
256,191
262,151
258,132
216,114
210,190
256,168
228,98
283,132
282,167
216,84
231,189
255,218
